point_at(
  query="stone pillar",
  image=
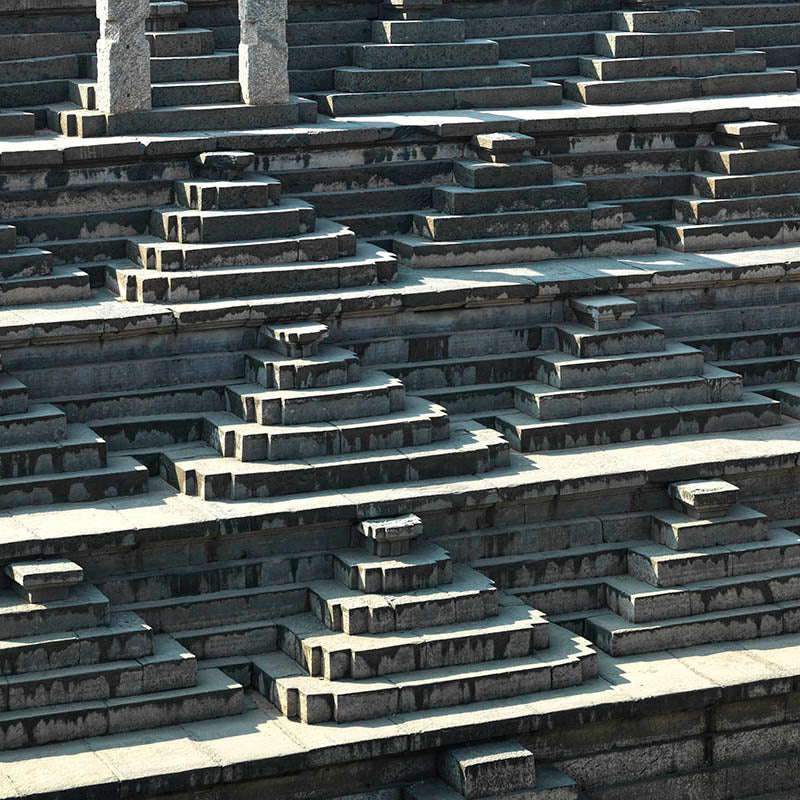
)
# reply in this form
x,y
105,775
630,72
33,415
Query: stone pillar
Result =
x,y
123,57
263,52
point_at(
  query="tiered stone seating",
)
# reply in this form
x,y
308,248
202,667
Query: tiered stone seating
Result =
x,y
506,208
419,62
667,55
230,237
43,459
72,668
400,630
189,78
503,770
617,380
746,195
27,275
308,420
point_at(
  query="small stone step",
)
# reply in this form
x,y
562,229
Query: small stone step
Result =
x,y
516,632
185,93
495,768
472,52
218,66
295,339
746,135
44,581
41,422
625,44
8,238
203,194
62,285
662,566
391,536
734,161
329,367
486,175
13,396
458,200
702,211
671,20
707,499
686,238
585,342
427,566
25,262
183,42
502,147
551,784
736,524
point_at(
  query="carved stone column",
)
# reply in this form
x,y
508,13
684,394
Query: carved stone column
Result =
x,y
123,57
263,52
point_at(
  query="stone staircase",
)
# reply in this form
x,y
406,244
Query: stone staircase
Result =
x,y
308,420
418,62
231,234
614,379
190,78
668,55
27,275
506,208
746,195
503,769
44,460
88,671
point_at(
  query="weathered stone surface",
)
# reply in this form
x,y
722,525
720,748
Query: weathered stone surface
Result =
x,y
263,52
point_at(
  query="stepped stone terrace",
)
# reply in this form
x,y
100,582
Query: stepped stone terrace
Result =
x,y
399,399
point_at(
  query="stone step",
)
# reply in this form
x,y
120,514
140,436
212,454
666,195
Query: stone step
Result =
x,y
149,433
360,80
13,396
470,596
169,667
41,422
551,784
662,566
527,24
417,252
441,227
626,44
84,607
567,662
8,238
638,602
232,225
747,344
464,370
466,200
215,695
15,46
199,471
688,238
472,52
368,265
420,423
516,632
448,344
545,566
205,92
542,401
546,44
202,194
565,371
730,161
62,285
211,67
230,641
704,499
478,770
723,187
376,394
418,31
39,69
673,66
472,399
584,342
427,566
327,242
697,211
532,93
680,532
44,580
486,175
756,371
126,637
119,478
528,436
647,90
189,614
768,35
661,21
761,15
565,597
330,366
25,262
183,42
81,449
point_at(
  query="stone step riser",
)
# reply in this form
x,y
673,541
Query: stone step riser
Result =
x,y
422,376
759,344
679,533
683,66
185,42
700,212
314,373
471,53
584,343
484,175
206,195
40,423
777,158
45,459
638,45
724,187
454,200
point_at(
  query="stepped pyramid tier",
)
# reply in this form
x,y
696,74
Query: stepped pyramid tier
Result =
x,y
505,207
74,668
44,459
190,77
231,234
615,379
745,195
504,770
28,277
667,54
309,419
352,658
420,62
